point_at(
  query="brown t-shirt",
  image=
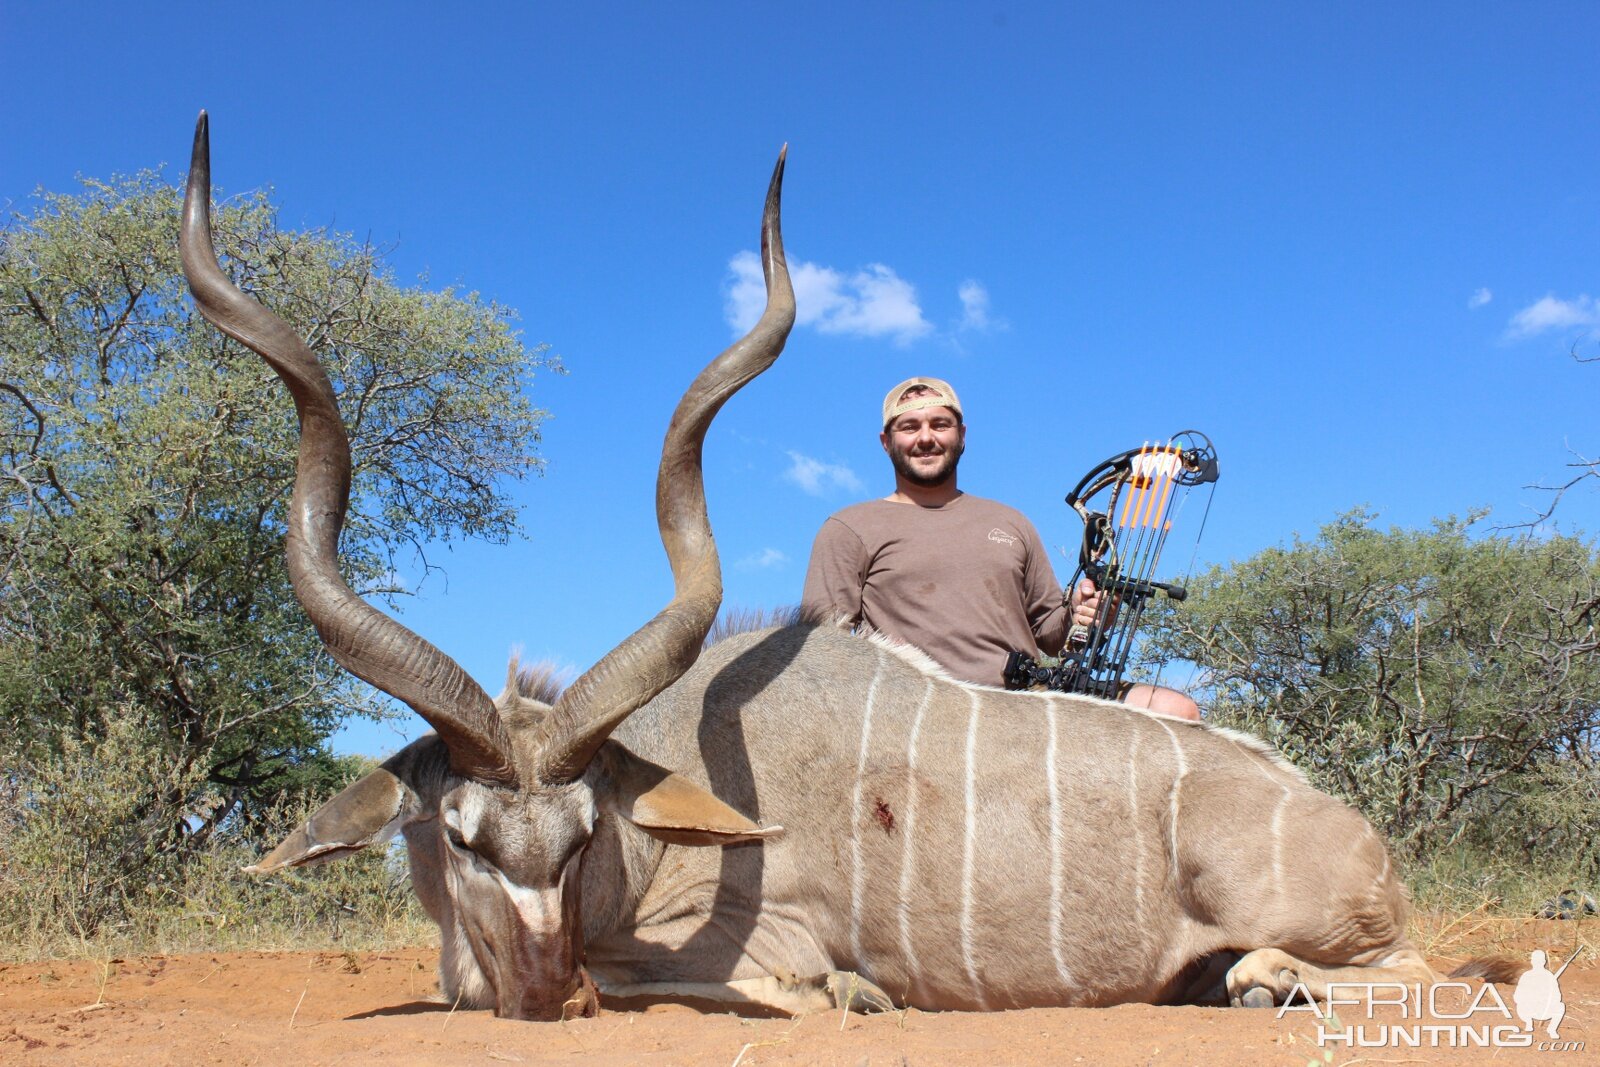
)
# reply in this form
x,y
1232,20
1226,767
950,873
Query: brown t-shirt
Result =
x,y
966,582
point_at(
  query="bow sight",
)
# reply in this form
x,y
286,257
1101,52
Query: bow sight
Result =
x,y
1121,545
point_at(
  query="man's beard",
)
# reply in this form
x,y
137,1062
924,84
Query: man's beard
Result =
x,y
940,475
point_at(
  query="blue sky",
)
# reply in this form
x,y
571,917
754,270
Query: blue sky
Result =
x,y
1353,243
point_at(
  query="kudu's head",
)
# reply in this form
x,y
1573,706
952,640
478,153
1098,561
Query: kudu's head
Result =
x,y
512,788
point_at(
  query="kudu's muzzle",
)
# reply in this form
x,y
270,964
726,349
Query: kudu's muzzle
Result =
x,y
539,974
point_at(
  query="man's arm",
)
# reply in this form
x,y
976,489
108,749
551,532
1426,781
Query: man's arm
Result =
x,y
1048,613
835,577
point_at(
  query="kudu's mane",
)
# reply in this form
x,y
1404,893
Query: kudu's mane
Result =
x,y
544,681
735,621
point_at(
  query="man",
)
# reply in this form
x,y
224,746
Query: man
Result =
x,y
964,579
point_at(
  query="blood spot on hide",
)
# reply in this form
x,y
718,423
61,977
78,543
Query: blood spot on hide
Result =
x,y
881,812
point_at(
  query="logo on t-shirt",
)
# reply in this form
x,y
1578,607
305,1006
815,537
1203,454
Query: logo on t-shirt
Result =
x,y
1002,536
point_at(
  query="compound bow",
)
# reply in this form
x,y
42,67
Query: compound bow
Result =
x,y
1120,557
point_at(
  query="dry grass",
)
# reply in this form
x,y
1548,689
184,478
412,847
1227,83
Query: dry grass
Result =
x,y
1458,938
1470,906
59,903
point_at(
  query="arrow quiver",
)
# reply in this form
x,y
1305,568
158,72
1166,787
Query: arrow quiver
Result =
x,y
1139,493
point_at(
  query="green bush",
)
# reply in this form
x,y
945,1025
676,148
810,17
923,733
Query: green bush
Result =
x,y
1445,683
99,852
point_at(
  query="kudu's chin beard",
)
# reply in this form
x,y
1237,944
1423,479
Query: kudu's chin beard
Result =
x,y
582,1001
946,471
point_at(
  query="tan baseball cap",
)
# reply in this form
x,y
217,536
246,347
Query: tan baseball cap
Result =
x,y
939,395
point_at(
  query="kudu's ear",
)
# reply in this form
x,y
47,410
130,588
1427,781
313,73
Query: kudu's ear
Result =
x,y
367,812
671,808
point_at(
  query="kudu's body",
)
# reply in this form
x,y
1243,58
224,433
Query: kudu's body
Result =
x,y
964,847
956,847
946,846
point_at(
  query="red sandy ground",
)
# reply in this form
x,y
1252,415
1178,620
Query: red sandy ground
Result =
x,y
327,1007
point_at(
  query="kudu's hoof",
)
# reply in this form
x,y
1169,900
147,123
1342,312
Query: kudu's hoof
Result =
x,y
1256,996
852,992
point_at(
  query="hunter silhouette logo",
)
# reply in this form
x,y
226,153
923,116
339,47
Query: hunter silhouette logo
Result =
x,y
1538,995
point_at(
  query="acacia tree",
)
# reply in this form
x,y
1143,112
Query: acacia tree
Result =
x,y
145,466
1584,467
1447,684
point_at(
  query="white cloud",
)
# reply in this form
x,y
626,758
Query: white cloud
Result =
x,y
974,305
816,477
766,558
1479,298
746,292
1553,313
873,302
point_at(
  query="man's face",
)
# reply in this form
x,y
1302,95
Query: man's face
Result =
x,y
925,445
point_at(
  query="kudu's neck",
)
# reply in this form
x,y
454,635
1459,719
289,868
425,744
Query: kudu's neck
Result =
x,y
618,867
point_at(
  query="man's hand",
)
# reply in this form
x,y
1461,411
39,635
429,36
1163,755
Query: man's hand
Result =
x,y
1084,602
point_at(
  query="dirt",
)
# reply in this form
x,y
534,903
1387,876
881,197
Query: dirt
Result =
x,y
355,1008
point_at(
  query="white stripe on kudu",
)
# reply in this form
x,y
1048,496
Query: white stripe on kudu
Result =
x,y
1277,839
1133,820
908,852
1172,804
1057,860
858,874
968,854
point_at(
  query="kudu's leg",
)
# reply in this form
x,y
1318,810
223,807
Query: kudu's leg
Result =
x,y
1334,898
793,996
1203,982
1268,976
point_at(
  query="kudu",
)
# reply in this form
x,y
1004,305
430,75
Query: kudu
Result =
x,y
885,830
